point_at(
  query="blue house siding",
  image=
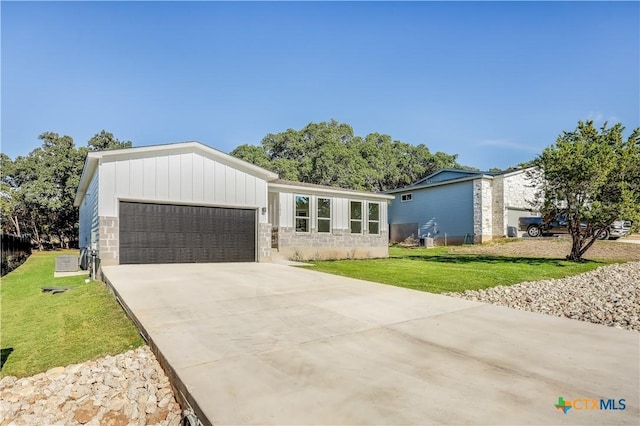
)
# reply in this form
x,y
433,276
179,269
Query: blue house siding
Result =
x,y
434,212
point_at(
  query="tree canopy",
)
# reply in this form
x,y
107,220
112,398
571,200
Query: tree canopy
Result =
x,y
592,176
37,190
329,153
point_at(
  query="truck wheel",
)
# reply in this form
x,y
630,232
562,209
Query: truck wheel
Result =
x,y
604,235
534,231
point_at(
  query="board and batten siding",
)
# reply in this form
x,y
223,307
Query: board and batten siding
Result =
x,y
185,178
437,210
88,232
339,210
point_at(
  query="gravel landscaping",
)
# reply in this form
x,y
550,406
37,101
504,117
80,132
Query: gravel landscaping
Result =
x,y
554,247
126,389
609,296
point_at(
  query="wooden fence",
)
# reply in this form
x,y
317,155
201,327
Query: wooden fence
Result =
x,y
14,251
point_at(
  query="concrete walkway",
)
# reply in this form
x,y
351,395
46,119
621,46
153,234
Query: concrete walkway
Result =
x,y
272,344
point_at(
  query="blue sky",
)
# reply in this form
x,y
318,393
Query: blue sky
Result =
x,y
492,82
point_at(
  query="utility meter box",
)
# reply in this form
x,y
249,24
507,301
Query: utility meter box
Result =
x,y
67,263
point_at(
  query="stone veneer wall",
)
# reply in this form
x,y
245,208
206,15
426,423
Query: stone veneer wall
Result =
x,y
482,209
519,192
109,240
499,214
264,242
339,244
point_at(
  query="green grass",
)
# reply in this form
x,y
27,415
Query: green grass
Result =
x,y
40,330
436,270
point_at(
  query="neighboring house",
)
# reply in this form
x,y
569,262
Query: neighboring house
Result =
x,y
461,206
187,202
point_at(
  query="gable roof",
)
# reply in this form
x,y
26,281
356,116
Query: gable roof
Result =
x,y
94,158
464,175
431,180
433,176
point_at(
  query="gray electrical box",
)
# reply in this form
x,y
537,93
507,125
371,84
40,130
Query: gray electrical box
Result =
x,y
67,263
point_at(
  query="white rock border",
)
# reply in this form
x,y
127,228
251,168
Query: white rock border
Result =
x,y
609,295
126,389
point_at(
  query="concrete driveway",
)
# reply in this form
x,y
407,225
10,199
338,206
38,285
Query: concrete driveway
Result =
x,y
272,344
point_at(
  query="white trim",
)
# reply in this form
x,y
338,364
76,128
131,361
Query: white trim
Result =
x,y
317,217
361,220
406,194
283,187
295,216
379,221
183,203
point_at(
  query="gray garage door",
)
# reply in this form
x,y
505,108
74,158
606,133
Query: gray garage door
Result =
x,y
161,233
514,214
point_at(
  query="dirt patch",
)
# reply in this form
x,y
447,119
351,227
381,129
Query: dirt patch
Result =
x,y
555,247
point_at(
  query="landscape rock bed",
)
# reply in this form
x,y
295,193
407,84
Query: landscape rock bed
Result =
x,y
126,389
609,295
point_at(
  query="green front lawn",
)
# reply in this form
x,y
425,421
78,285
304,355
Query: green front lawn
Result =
x,y
436,270
40,330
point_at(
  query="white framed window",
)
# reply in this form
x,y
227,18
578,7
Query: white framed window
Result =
x,y
373,218
406,197
302,213
355,217
323,215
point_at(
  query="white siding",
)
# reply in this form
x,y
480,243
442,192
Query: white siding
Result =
x,y
174,177
185,178
230,185
198,178
250,189
219,180
88,232
162,177
286,209
122,180
149,178
342,213
241,182
209,183
136,178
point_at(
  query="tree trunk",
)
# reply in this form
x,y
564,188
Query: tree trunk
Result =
x,y
577,241
36,236
16,225
576,246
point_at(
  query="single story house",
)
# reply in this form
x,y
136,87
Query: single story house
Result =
x,y
187,202
461,206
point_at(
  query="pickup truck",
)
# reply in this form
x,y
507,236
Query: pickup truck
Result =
x,y
537,226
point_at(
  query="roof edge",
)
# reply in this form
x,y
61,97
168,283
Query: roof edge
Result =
x,y
439,183
94,158
328,190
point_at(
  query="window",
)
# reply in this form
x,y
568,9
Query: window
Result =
x,y
374,218
302,213
406,197
355,216
324,215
